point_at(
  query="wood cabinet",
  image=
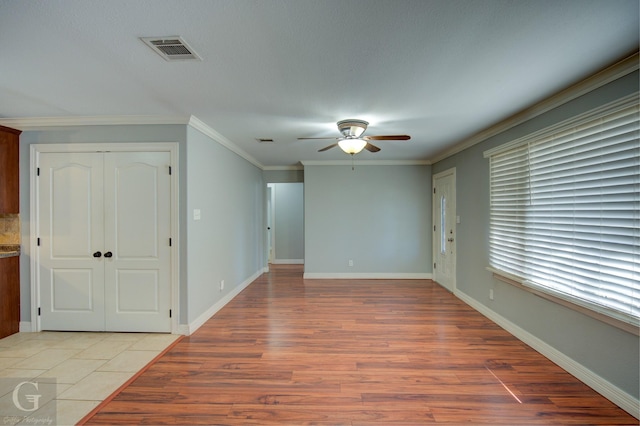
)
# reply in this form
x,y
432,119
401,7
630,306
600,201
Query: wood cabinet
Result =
x,y
9,295
9,176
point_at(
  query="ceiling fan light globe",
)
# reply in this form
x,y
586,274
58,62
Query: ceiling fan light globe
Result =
x,y
352,145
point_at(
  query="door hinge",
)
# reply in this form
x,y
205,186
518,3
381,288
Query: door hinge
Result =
x,y
434,228
169,170
170,242
39,312
434,265
38,242
38,171
169,313
434,190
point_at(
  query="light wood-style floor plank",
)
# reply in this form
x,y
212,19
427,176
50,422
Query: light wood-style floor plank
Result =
x,y
353,352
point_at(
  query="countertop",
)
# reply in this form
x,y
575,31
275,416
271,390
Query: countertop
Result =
x,y
9,250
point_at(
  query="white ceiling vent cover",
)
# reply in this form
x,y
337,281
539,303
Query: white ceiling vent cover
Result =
x,y
172,48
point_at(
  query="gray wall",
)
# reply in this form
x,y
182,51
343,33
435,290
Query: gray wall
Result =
x,y
84,134
289,221
283,176
607,351
377,215
227,243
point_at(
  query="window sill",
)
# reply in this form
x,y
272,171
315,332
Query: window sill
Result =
x,y
623,325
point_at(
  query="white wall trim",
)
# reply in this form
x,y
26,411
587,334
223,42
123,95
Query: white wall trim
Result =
x,y
368,163
616,395
288,261
612,73
40,123
198,322
298,167
367,276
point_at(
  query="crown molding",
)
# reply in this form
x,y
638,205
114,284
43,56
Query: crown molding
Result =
x,y
208,131
368,163
612,73
39,123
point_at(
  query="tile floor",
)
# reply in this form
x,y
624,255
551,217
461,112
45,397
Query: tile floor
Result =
x,y
85,367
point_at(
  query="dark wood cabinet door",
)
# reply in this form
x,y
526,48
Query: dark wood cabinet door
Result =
x,y
9,295
9,176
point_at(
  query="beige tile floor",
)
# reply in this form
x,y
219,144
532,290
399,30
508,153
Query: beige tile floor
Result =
x,y
85,367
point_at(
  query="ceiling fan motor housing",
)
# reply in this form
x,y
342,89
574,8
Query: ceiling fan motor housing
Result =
x,y
352,128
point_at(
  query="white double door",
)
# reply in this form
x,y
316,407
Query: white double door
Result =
x,y
104,251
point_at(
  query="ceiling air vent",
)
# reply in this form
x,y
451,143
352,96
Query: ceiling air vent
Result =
x,y
172,48
264,140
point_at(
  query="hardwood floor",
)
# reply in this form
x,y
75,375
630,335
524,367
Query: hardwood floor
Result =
x,y
353,352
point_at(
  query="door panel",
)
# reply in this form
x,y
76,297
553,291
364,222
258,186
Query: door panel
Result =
x,y
137,230
137,291
70,231
72,290
444,202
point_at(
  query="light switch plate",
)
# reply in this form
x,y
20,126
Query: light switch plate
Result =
x,y
196,214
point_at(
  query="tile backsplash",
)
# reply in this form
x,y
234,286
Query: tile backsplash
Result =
x,y
9,229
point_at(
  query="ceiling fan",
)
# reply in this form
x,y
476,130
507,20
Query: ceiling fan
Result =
x,y
352,141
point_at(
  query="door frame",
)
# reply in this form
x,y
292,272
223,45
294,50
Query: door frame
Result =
x,y
271,222
172,148
436,215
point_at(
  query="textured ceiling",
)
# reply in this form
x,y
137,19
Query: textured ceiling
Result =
x,y
438,70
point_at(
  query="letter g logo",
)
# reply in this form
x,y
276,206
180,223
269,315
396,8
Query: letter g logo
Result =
x,y
34,398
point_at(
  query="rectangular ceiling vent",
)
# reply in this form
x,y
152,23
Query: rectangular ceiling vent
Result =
x,y
172,48
264,140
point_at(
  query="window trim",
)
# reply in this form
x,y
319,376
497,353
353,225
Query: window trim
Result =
x,y
571,304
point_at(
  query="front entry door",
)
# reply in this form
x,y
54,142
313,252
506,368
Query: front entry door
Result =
x,y
104,228
444,229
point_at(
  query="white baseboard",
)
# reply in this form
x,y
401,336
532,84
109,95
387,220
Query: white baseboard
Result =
x,y
183,329
25,327
367,276
194,325
288,261
607,389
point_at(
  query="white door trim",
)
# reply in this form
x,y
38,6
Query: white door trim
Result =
x,y
436,215
172,148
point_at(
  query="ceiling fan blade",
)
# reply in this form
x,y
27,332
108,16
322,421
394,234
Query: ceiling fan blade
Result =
x,y
388,138
326,148
302,139
371,148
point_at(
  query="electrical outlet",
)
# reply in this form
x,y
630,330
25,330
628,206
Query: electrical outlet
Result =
x,y
350,262
221,285
490,294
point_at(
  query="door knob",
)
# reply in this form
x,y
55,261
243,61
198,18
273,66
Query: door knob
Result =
x,y
97,254
448,239
108,254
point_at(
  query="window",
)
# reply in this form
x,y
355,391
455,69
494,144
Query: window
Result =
x,y
565,210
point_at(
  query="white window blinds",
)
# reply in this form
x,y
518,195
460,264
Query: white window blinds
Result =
x,y
565,211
